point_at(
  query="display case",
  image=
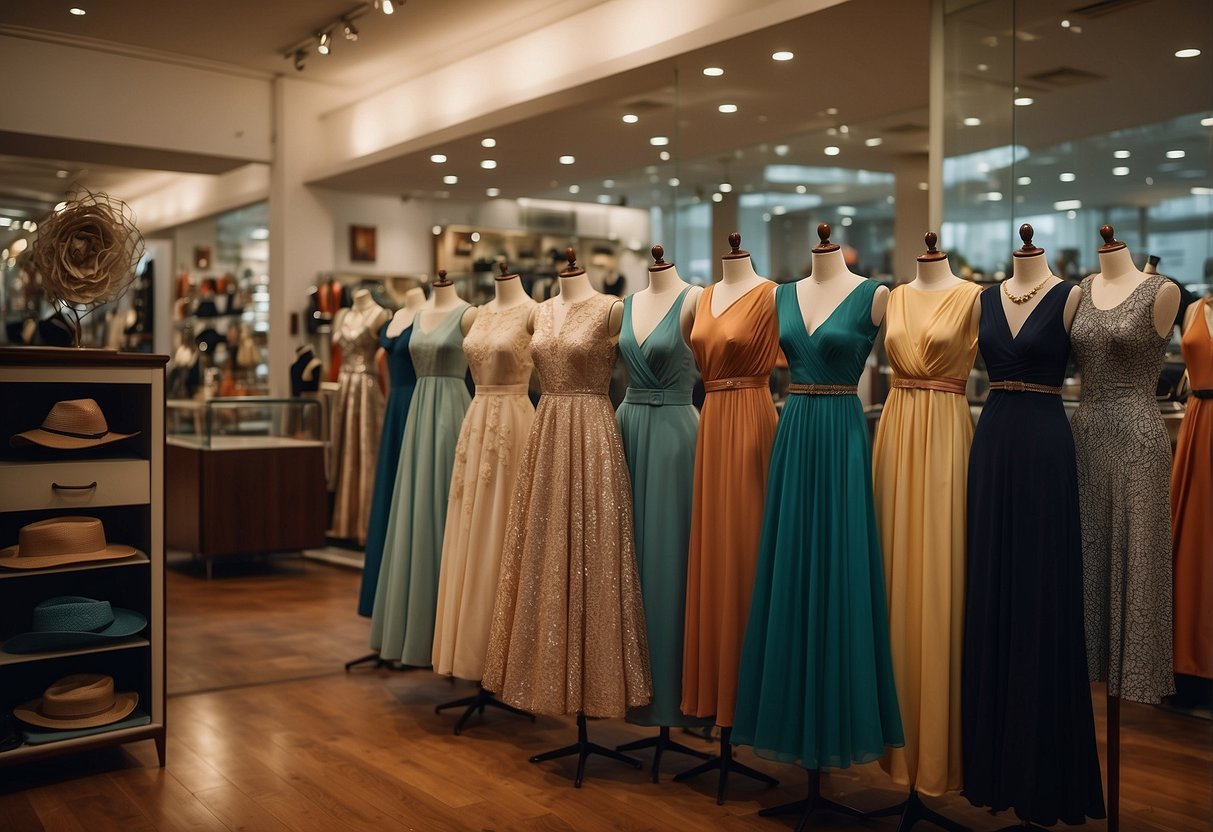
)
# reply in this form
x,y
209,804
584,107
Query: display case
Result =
x,y
245,476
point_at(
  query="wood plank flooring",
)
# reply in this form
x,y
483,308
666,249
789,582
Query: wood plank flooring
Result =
x,y
268,734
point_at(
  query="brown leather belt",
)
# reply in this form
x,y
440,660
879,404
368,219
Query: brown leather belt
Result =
x,y
823,389
941,384
1024,387
739,383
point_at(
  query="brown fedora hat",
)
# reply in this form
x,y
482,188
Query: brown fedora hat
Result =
x,y
77,423
61,540
83,700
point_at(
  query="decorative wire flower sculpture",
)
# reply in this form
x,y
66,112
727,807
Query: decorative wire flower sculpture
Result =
x,y
86,253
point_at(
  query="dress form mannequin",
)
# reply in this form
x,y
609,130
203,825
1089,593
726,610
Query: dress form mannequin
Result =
x,y
829,284
313,366
650,305
414,300
934,273
738,277
1118,278
1029,282
507,290
575,287
444,302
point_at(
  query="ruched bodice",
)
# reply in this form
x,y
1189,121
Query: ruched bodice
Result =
x,y
838,348
663,361
929,333
741,341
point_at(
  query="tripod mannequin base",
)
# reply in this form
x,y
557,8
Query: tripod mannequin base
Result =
x,y
811,805
477,703
726,765
913,810
661,744
583,749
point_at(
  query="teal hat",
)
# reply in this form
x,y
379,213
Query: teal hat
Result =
x,y
70,621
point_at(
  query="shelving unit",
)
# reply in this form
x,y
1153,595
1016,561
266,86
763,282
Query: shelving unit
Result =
x,y
127,497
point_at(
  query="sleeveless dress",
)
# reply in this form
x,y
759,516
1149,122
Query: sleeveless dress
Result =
x,y
1192,507
817,683
658,424
920,460
495,429
357,424
1124,484
402,379
568,632
402,623
1029,734
736,352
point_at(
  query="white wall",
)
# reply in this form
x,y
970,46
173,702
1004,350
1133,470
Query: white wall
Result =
x,y
191,196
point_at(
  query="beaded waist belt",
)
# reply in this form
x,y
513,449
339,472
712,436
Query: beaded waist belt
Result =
x,y
501,389
1024,387
738,383
1206,393
942,384
823,389
656,397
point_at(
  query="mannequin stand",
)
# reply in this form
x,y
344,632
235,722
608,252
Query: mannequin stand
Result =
x,y
376,662
583,749
725,764
1113,763
478,702
813,803
1026,826
661,744
913,810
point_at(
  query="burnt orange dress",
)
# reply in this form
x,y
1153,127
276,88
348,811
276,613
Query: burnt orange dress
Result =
x,y
1192,507
736,352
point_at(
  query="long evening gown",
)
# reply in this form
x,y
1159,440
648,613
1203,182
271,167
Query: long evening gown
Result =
x,y
920,460
736,352
1124,485
495,429
1029,735
357,422
402,379
1192,507
568,632
658,424
402,623
817,683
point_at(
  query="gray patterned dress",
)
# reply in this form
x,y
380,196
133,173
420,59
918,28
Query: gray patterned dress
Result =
x,y
1124,459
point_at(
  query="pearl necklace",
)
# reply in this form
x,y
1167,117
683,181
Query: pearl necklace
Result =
x,y
1024,298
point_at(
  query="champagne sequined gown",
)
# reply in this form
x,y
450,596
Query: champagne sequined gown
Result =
x,y
568,630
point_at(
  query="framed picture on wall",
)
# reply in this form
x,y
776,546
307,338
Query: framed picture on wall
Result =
x,y
362,243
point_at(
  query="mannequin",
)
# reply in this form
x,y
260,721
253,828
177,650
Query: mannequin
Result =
x,y
308,366
364,306
507,290
737,278
414,301
575,287
1118,278
829,284
934,273
650,305
444,302
1029,282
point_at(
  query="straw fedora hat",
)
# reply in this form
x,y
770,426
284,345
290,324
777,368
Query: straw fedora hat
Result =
x,y
83,700
78,423
71,621
61,540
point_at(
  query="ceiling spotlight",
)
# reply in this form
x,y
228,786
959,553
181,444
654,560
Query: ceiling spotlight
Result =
x,y
1120,171
604,199
1206,122
659,141
325,44
488,164
1067,205
675,181
801,189
782,55
1176,154
718,197
438,158
766,217
713,71
567,160
78,12
875,141
63,174
779,210
574,189
727,108
385,6
1024,180
450,179
972,121
831,111
1067,177
832,151
488,141
782,150
845,221
1065,24
1187,53
492,192
1024,101
1121,154
300,59
475,235
630,118
608,183
726,187
5,222
1200,191
664,155
351,31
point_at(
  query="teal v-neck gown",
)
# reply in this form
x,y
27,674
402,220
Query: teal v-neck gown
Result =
x,y
658,424
406,598
816,685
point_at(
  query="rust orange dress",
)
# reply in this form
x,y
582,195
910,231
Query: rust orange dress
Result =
x,y
736,351
1192,507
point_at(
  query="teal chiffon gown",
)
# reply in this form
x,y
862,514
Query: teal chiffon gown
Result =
x,y
816,685
658,423
406,598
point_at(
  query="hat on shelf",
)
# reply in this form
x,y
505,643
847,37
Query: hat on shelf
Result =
x,y
71,621
82,700
59,541
78,423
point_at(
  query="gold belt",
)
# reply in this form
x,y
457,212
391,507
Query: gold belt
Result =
x,y
823,389
1024,387
738,383
942,384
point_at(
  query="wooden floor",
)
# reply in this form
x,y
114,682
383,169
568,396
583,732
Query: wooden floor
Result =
x,y
267,733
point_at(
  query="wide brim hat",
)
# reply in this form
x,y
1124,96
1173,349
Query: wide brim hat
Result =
x,y
59,541
71,425
84,700
70,621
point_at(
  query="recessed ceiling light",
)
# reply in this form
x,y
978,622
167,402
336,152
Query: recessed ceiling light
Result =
x,y
488,141
1024,180
475,235
1067,205
779,210
922,186
488,164
659,141
492,192
1121,154
1024,101
782,55
675,181
782,150
1187,53
846,210
567,160
725,187
608,183
1201,191
972,121
450,179
604,199
664,155
846,221
766,217
801,189
1206,122
5,222
438,158
842,128
875,141
574,189
1066,177
78,12
713,71
1176,154
651,169
1120,171
436,230
831,111
630,118
832,150
727,108
63,174
991,196
717,197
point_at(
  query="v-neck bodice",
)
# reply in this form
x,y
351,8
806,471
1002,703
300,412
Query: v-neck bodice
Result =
x,y
663,361
439,352
578,355
930,334
1036,354
838,348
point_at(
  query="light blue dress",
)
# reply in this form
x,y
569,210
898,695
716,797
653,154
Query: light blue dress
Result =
x,y
402,623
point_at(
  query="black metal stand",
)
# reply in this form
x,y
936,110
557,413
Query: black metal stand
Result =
x,y
478,702
726,765
661,744
1113,729
583,749
813,803
1026,826
913,810
376,662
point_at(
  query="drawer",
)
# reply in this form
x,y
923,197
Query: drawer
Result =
x,y
29,486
